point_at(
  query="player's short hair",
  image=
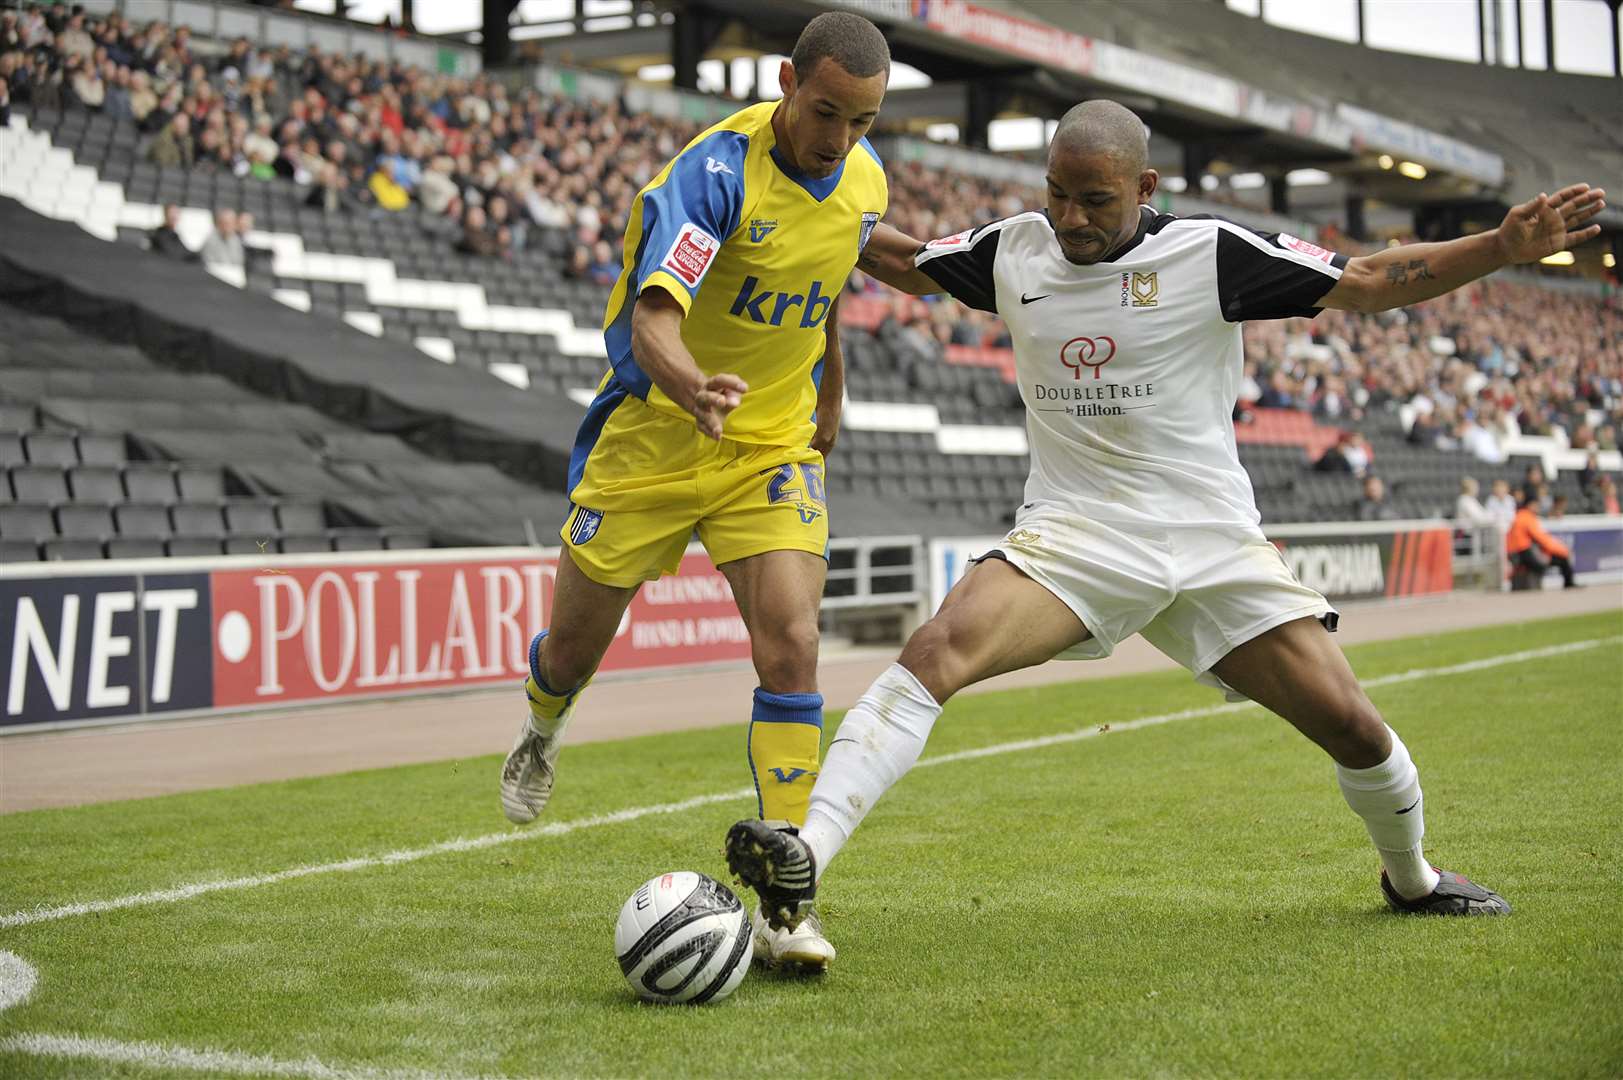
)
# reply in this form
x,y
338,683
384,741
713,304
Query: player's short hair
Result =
x,y
848,39
1105,126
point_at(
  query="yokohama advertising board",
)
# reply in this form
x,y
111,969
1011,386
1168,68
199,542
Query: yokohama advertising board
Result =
x,y
137,639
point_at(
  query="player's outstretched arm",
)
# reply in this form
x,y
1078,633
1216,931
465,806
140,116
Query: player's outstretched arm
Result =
x,y
889,257
1406,275
656,342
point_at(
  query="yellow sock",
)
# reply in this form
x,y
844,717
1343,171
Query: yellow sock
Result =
x,y
785,734
547,705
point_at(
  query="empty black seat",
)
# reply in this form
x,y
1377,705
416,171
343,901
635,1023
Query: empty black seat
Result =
x,y
15,417
14,551
50,448
85,522
150,483
72,549
101,449
197,519
302,518
200,483
142,520
249,544
250,516
357,540
292,544
182,546
11,449
26,521
406,540
128,547
39,483
95,484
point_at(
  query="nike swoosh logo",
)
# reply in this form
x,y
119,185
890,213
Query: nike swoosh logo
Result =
x,y
1411,806
837,741
1024,299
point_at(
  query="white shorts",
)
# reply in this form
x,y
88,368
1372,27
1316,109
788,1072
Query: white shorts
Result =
x,y
1195,593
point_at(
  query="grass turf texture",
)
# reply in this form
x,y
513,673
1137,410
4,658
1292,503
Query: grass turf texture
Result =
x,y
1193,898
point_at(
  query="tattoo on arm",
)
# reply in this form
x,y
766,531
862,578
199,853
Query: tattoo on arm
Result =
x,y
868,261
1420,270
1397,274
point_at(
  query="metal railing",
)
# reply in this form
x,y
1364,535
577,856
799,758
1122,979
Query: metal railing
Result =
x,y
875,571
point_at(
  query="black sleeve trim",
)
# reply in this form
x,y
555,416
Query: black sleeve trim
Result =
x,y
963,266
1265,279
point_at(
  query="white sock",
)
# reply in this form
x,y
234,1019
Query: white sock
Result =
x,y
878,741
1387,796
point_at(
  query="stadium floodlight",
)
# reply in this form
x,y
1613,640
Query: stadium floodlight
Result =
x,y
1307,177
1412,169
1560,258
1384,161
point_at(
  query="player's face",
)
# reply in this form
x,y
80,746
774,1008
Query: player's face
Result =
x,y
827,114
1093,201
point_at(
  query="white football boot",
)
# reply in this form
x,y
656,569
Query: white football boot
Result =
x,y
529,771
804,947
532,766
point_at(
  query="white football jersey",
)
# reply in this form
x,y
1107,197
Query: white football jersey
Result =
x,y
1129,368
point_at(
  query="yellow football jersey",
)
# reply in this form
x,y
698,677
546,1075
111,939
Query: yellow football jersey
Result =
x,y
756,253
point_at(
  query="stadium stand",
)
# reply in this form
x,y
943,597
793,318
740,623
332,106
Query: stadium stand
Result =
x,y
108,454
1547,126
321,147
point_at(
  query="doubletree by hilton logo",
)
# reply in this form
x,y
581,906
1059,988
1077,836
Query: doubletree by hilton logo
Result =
x,y
1087,352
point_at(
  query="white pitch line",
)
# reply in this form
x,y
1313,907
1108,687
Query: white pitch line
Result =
x,y
170,1059
17,978
186,892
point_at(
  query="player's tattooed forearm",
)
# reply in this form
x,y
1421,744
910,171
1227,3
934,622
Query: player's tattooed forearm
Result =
x,y
868,261
1416,270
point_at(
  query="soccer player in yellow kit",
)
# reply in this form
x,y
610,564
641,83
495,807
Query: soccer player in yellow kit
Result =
x,y
722,401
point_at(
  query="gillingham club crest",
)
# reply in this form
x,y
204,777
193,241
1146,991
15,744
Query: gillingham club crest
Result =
x,y
869,220
585,525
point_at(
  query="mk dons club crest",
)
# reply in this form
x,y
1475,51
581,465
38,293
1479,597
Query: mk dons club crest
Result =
x,y
1140,290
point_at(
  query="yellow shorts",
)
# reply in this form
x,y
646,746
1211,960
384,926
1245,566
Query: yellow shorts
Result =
x,y
641,482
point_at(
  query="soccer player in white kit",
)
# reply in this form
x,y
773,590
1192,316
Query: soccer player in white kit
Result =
x,y
1138,515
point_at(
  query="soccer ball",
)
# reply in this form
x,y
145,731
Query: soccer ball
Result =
x,y
683,937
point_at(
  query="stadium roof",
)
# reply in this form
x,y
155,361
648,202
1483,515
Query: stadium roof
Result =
x,y
1548,128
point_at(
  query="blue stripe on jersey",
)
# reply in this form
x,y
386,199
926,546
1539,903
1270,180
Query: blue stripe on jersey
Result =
x,y
868,146
597,415
817,379
617,340
705,187
817,189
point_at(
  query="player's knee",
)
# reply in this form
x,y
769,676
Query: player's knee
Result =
x,y
934,655
565,664
786,654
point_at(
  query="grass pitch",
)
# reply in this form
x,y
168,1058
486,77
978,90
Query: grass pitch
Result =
x,y
1192,898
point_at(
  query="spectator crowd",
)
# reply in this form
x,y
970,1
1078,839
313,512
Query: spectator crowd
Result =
x,y
359,134
363,135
